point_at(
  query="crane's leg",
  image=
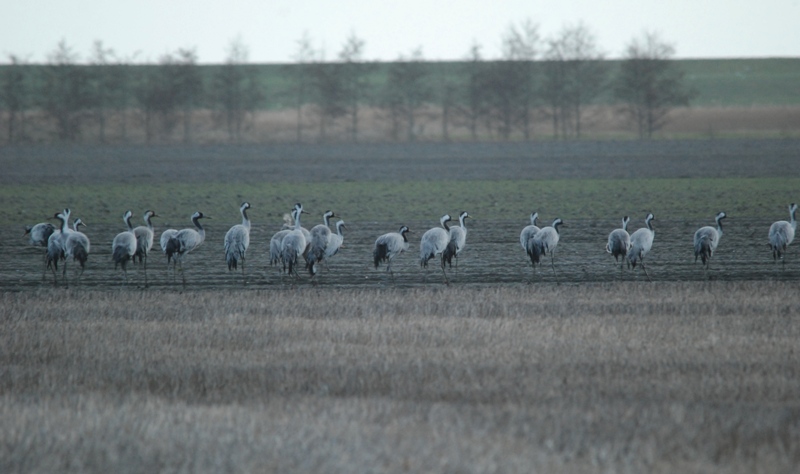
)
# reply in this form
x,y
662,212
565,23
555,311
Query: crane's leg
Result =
x,y
645,272
145,268
444,272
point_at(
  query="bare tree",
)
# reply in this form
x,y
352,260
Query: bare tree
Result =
x,y
301,74
186,84
406,94
574,75
236,90
510,82
354,72
65,92
328,95
649,84
110,88
15,97
471,103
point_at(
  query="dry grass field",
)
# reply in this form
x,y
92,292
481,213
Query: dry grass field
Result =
x,y
503,370
667,377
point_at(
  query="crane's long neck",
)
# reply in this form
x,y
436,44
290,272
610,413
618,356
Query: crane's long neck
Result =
x,y
625,224
405,237
650,225
719,226
147,221
339,230
128,223
793,214
326,219
297,220
462,220
200,230
245,220
64,224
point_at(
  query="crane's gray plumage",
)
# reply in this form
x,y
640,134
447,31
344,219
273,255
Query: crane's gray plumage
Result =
x,y
544,242
77,246
388,246
56,244
434,242
166,236
39,233
781,234
706,240
123,246
295,243
529,231
237,239
619,241
641,243
318,243
276,242
335,240
144,237
458,239
186,240
144,241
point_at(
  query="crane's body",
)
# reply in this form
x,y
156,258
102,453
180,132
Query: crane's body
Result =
x,y
781,234
458,239
641,243
529,231
123,247
77,246
434,242
619,242
237,240
388,246
544,243
706,240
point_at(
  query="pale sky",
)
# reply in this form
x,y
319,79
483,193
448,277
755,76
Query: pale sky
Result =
x,y
444,30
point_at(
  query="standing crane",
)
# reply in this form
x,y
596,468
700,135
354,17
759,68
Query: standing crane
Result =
x,y
275,243
293,247
320,234
388,246
641,243
237,239
144,241
458,239
433,243
77,246
185,241
619,241
781,234
706,240
544,242
529,231
56,245
123,247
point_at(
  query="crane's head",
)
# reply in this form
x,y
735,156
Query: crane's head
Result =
x,y
77,223
721,216
625,220
404,230
445,219
28,229
149,215
534,218
340,225
245,205
557,222
199,215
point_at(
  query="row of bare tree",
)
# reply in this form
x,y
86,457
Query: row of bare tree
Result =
x,y
534,80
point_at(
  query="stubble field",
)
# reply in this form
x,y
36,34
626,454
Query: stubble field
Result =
x,y
505,370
